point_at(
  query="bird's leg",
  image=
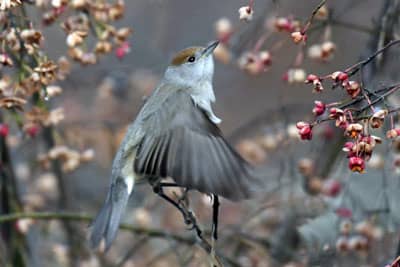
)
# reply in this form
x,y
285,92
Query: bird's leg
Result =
x,y
183,199
214,231
188,216
158,189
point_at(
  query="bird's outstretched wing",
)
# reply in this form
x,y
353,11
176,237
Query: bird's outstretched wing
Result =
x,y
183,143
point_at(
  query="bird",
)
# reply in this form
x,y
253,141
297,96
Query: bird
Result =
x,y
176,135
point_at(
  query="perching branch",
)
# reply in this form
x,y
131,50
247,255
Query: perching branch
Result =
x,y
149,232
70,216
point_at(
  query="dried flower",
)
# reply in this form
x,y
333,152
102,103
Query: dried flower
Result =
x,y
31,36
46,71
316,81
298,37
283,24
12,102
64,68
295,75
224,30
76,53
315,52
49,17
335,113
265,57
88,59
6,60
76,38
103,47
353,88
366,145
70,159
58,3
12,40
339,76
327,50
246,13
342,244
353,130
393,133
116,11
78,4
122,34
6,4
53,90
251,63
319,108
377,119
306,166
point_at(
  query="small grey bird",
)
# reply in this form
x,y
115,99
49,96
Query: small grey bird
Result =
x,y
176,135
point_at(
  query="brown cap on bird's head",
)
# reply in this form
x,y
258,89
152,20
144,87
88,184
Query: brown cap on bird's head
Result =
x,y
189,54
184,55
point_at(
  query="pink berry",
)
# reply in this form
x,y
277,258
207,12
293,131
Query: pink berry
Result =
x,y
4,129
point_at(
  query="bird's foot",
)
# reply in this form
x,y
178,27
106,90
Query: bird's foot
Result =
x,y
183,200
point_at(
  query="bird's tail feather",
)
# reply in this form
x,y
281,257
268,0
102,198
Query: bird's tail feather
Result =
x,y
107,221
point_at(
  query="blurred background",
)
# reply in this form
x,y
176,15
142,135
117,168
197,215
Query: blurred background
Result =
x,y
329,218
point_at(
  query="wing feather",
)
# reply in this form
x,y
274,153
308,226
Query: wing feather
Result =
x,y
183,143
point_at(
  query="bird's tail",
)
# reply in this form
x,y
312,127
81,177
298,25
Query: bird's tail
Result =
x,y
107,221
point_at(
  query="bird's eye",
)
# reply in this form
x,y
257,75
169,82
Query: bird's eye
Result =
x,y
191,59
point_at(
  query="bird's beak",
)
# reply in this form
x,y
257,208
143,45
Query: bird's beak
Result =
x,y
209,49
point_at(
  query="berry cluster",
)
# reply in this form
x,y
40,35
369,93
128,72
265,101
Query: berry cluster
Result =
x,y
357,115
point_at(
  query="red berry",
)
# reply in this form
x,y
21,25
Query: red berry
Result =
x,y
32,130
319,108
356,164
4,130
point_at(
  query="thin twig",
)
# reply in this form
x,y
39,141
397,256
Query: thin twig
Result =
x,y
355,68
311,18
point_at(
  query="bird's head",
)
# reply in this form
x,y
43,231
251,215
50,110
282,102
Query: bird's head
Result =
x,y
191,66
